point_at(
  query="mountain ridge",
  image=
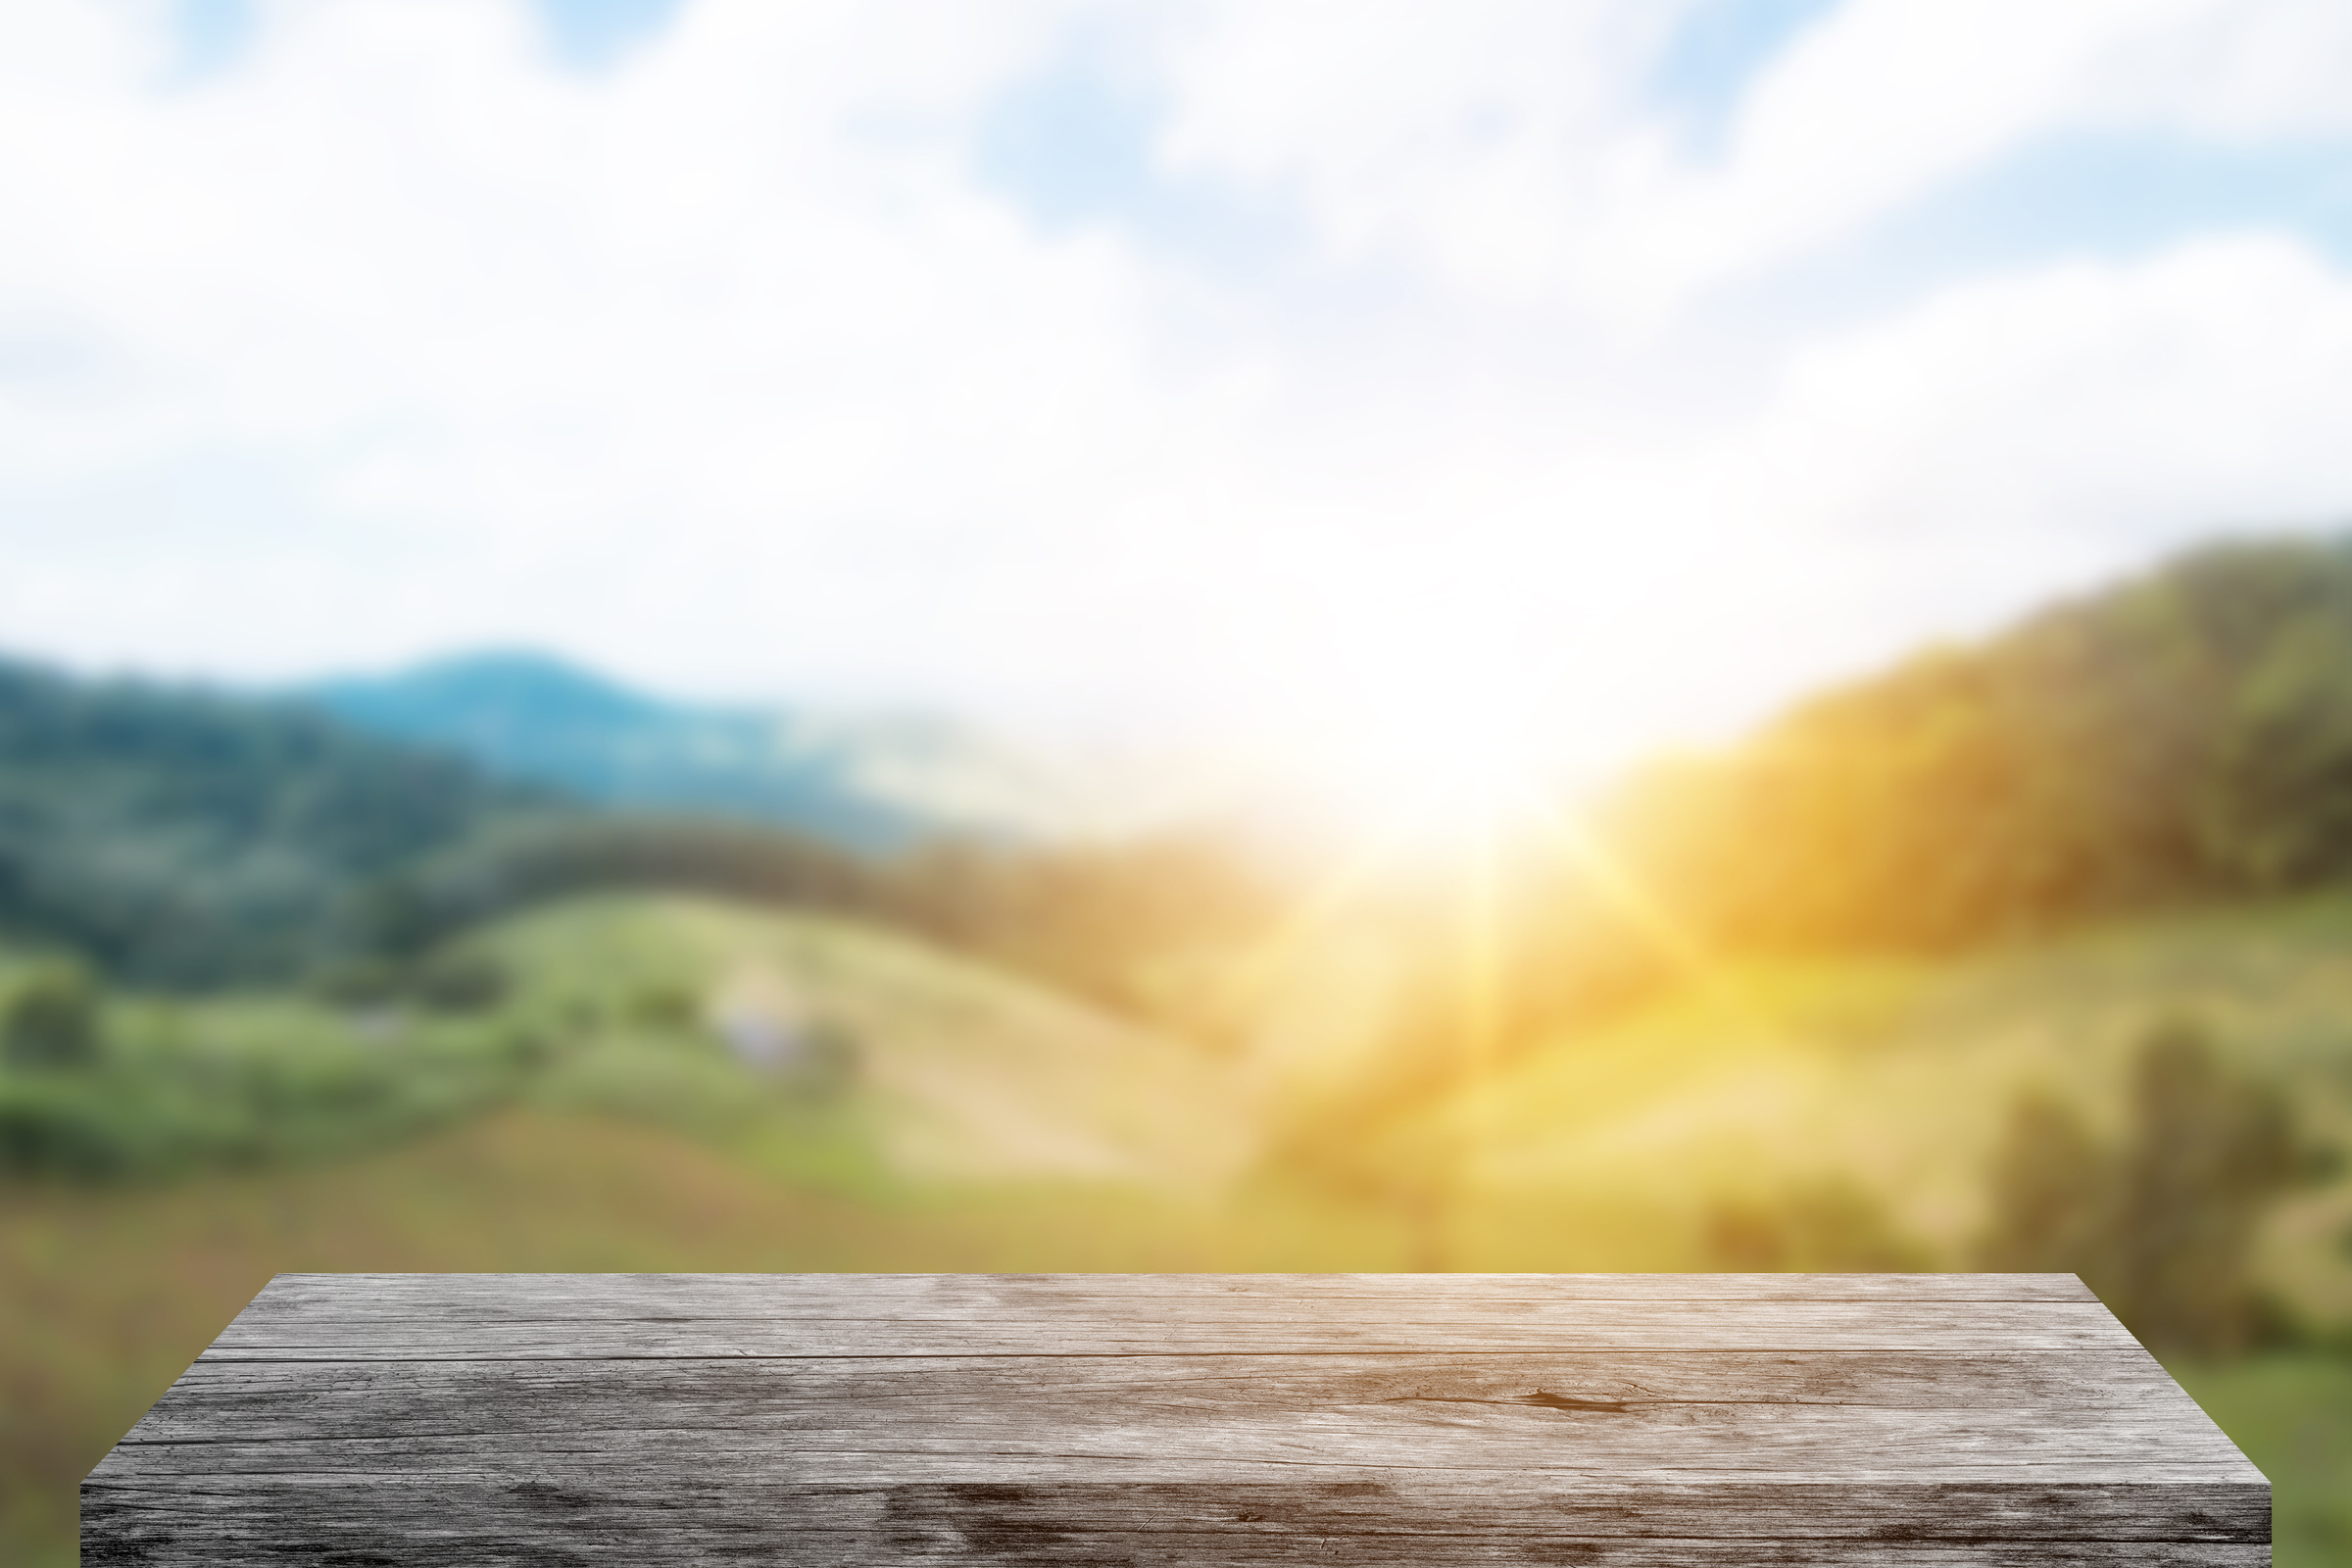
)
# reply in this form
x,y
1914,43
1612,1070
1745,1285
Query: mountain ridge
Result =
x,y
873,784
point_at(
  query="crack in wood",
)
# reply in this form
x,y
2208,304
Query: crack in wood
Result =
x,y
1539,1399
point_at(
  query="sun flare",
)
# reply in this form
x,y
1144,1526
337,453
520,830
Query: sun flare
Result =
x,y
1445,781
1434,760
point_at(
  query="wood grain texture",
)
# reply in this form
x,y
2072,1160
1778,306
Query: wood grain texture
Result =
x,y
1637,1420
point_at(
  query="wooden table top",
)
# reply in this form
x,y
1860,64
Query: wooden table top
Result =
x,y
548,1419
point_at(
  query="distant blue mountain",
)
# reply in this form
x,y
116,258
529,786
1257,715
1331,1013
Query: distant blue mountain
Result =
x,y
531,718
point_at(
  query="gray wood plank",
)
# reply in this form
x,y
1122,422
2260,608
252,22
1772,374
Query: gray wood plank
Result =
x,y
274,1399
1082,1497
1755,1442
1421,1421
556,1531
529,1316
620,1295
1636,1420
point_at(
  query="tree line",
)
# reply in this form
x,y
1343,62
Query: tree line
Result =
x,y
178,838
2182,738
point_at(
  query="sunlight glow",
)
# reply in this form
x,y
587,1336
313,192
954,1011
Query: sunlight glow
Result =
x,y
1448,780
1419,716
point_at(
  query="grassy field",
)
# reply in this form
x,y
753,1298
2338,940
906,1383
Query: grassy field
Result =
x,y
917,1112
910,1063
650,1084
2293,1418
105,1295
1899,1076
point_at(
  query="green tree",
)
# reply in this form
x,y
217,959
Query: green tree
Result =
x,y
2207,1153
2184,737
49,1017
2161,1222
2049,1191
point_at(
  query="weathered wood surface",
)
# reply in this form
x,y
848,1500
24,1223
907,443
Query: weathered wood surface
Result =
x,y
1630,1420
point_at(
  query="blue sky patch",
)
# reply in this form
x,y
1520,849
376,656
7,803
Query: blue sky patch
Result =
x,y
210,34
1072,146
2118,199
2110,198
1720,49
593,34
583,34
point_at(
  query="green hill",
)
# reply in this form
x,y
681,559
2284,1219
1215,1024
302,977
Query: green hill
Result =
x,y
2057,920
938,1067
535,718
183,838
180,836
839,1053
644,1144
624,1082
1897,1079
2182,738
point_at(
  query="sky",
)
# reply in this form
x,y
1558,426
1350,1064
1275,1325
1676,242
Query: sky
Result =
x,y
1357,375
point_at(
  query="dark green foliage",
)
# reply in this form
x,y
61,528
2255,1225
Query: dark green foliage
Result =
x,y
461,981
1094,919
1101,921
2207,1154
160,1104
178,837
367,981
533,861
49,1017
663,1005
2182,738
2050,1194
2162,1222
448,980
65,1129
184,839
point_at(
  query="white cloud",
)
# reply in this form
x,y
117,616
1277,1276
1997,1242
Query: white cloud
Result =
x,y
1887,98
2251,72
1508,147
723,367
2101,403
737,300
1466,131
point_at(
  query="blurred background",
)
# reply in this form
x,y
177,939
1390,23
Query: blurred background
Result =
x,y
1166,634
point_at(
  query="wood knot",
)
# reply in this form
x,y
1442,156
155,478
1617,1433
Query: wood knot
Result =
x,y
1562,1401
